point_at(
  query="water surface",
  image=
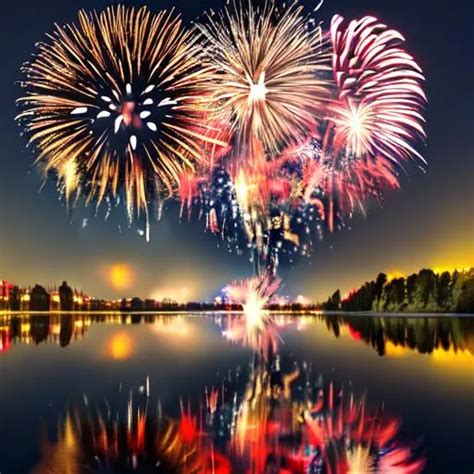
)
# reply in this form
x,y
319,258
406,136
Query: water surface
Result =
x,y
420,370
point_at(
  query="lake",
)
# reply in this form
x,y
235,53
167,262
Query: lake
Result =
x,y
212,393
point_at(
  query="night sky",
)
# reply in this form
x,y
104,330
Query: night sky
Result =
x,y
429,222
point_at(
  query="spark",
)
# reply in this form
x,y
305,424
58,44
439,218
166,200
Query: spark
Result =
x,y
113,105
268,65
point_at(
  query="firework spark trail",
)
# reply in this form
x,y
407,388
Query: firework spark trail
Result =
x,y
273,417
114,105
267,82
315,164
269,87
291,420
274,128
349,438
374,121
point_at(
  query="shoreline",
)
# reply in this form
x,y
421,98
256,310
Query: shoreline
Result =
x,y
230,312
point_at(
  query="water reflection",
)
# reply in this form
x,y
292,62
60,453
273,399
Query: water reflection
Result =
x,y
279,420
277,414
66,329
425,335
120,346
88,441
389,336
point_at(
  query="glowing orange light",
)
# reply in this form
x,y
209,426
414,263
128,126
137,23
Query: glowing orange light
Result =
x,y
25,327
120,276
459,360
392,350
180,294
78,299
451,269
395,274
120,346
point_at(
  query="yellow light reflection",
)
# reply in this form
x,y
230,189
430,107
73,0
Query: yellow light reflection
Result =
x,y
392,350
460,360
120,346
173,327
25,327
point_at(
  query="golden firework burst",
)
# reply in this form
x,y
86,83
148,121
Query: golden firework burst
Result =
x,y
114,104
269,65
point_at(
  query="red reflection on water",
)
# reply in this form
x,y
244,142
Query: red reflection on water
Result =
x,y
276,421
281,423
5,339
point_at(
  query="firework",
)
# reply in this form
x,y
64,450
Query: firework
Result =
x,y
268,63
275,129
113,105
267,418
268,87
255,328
360,142
262,211
120,441
319,123
373,122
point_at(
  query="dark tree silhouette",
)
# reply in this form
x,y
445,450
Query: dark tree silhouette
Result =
x,y
39,299
466,298
66,297
420,292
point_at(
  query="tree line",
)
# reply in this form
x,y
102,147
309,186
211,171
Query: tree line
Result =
x,y
425,291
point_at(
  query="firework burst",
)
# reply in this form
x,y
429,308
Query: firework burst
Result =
x,y
378,111
301,164
91,442
267,85
372,123
255,329
113,105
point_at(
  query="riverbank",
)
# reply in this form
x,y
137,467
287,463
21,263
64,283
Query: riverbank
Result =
x,y
301,312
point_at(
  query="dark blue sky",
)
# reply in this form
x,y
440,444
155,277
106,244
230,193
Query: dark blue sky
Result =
x,y
427,223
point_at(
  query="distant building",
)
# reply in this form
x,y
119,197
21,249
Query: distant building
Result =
x,y
125,304
149,305
39,299
66,297
4,294
5,288
15,298
137,304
